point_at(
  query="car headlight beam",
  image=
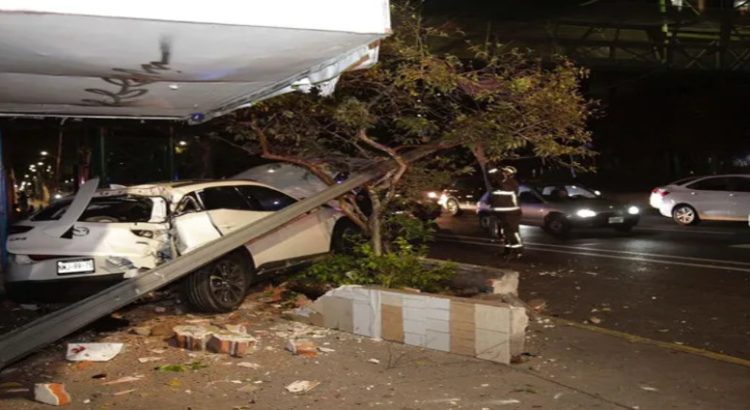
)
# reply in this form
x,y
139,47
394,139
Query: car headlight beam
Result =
x,y
633,210
585,213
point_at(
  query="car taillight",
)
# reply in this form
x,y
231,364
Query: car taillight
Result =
x,y
660,192
19,229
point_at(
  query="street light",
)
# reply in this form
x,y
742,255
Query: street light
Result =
x,y
44,153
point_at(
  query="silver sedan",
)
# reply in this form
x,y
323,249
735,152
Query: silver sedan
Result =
x,y
560,208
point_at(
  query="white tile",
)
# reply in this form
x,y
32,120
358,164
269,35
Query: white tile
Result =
x,y
438,340
496,318
438,325
414,339
415,326
493,346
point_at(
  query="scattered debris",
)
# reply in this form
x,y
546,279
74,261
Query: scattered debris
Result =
x,y
592,274
663,330
158,351
504,402
548,273
160,309
99,376
121,393
192,337
595,320
374,361
303,347
557,396
326,350
96,352
301,386
537,305
30,307
141,331
649,388
149,359
126,379
51,393
181,367
174,383
235,342
249,365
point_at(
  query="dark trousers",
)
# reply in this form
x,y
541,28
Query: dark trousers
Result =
x,y
505,227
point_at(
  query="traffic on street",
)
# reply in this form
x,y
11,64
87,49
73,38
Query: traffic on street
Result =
x,y
681,284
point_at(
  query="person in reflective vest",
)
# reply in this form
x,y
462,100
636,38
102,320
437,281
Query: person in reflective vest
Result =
x,y
503,205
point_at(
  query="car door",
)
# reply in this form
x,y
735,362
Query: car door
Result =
x,y
210,213
710,197
739,198
533,208
309,234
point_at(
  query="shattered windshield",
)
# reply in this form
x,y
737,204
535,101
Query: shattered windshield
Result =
x,y
103,209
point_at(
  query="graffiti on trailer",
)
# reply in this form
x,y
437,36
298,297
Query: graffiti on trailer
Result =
x,y
129,82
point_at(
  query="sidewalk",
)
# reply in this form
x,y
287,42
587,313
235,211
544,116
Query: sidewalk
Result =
x,y
572,368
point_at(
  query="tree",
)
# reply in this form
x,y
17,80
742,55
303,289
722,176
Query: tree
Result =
x,y
496,106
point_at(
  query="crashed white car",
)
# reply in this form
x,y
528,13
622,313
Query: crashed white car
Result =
x,y
82,244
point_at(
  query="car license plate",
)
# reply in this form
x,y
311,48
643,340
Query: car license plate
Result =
x,y
616,220
75,266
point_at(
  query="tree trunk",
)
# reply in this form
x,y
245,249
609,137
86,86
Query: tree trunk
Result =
x,y
481,158
376,234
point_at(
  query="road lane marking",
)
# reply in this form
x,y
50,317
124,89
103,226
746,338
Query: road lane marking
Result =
x,y
583,248
741,246
695,231
601,255
644,340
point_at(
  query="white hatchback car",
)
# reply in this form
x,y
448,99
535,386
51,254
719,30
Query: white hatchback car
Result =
x,y
716,198
82,244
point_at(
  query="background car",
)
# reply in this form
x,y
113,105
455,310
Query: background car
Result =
x,y
716,198
91,241
462,195
558,213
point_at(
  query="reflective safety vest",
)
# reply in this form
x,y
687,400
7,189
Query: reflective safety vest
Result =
x,y
503,201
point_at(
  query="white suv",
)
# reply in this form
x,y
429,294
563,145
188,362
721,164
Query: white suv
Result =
x,y
717,198
82,244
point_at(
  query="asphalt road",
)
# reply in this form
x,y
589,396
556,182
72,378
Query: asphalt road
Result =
x,y
687,285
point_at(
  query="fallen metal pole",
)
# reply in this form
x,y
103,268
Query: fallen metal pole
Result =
x,y
47,329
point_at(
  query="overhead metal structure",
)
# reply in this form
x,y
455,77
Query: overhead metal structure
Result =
x,y
169,60
165,60
617,34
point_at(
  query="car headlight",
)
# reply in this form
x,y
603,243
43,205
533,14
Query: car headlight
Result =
x,y
585,213
432,195
633,210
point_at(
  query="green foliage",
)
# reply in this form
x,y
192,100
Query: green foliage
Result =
x,y
402,267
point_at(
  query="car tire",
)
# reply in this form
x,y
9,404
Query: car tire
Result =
x,y
342,238
685,215
221,285
557,225
452,207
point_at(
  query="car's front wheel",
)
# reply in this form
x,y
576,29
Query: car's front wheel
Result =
x,y
557,225
452,207
221,285
685,215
